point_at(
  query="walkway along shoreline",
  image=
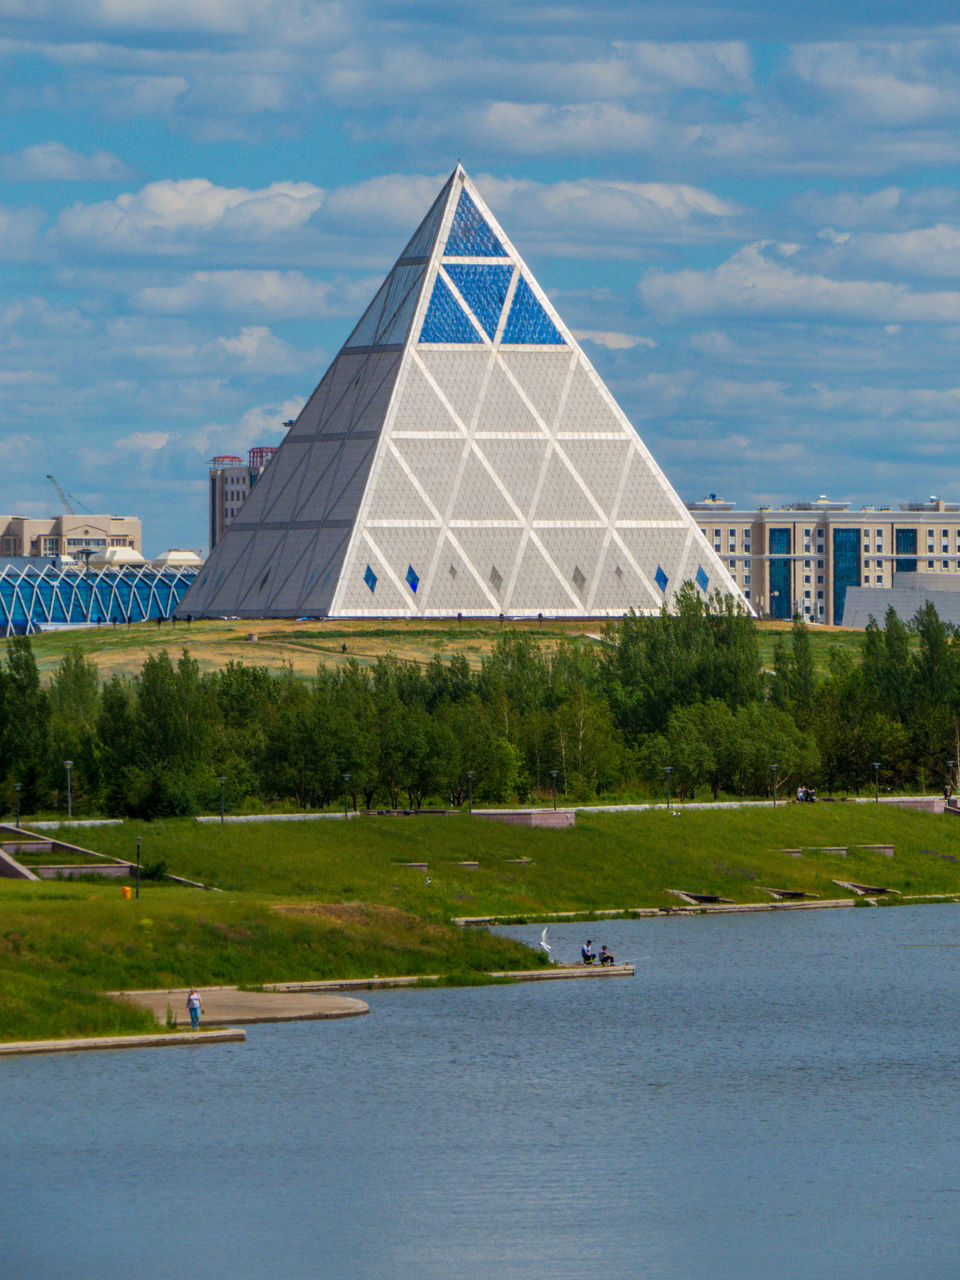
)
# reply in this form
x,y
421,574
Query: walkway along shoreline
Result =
x,y
274,1002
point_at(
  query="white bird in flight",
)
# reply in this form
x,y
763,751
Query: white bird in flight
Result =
x,y
544,944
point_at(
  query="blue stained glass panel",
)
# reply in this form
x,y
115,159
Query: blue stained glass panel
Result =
x,y
484,289
528,322
445,320
412,580
661,578
370,578
702,580
470,236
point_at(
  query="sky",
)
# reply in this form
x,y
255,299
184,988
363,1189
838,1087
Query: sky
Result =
x,y
748,214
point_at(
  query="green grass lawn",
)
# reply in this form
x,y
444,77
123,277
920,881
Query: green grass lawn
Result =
x,y
329,899
608,860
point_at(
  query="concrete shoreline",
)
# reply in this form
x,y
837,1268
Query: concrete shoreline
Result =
x,y
275,1002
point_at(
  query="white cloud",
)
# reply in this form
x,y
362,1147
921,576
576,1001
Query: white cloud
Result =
x,y
143,441
275,293
892,83
752,282
166,217
54,162
612,340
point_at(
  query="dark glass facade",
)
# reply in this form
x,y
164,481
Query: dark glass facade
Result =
x,y
905,544
846,568
780,602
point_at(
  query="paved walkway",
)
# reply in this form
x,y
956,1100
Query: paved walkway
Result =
x,y
75,1044
228,1004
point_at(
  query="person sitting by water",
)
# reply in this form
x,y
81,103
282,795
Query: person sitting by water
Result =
x,y
586,952
606,956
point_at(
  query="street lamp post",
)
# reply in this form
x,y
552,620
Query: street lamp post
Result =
x,y
668,769
553,775
138,867
773,770
469,776
876,781
68,765
223,783
16,787
346,794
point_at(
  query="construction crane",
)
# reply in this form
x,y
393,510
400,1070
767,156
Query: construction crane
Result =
x,y
65,498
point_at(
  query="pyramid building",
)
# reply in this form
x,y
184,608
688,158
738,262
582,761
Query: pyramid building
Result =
x,y
461,455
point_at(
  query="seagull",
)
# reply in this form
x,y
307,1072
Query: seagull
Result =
x,y
544,944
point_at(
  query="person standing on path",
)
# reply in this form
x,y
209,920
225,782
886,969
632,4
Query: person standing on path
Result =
x,y
194,1008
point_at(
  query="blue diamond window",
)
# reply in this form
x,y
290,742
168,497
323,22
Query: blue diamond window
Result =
x,y
484,290
412,580
661,578
446,320
470,236
702,580
370,578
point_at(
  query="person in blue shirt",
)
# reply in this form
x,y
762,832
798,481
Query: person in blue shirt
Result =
x,y
586,952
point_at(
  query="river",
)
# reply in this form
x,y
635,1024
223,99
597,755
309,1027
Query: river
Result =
x,y
772,1096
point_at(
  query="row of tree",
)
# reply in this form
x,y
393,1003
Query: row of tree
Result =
x,y
683,696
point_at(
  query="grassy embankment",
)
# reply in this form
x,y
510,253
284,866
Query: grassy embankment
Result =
x,y
333,899
307,645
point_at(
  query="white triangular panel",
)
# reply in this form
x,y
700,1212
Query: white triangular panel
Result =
x,y
461,455
424,407
479,491
542,374
518,464
577,554
460,376
398,495
601,470
436,464
504,408
538,588
562,497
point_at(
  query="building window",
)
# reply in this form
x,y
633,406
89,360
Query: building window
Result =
x,y
733,564
820,597
746,565
846,568
779,548
905,544
945,564
806,577
929,564
866,578
746,581
820,580
806,595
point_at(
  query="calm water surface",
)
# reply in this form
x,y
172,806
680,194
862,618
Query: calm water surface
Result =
x,y
771,1096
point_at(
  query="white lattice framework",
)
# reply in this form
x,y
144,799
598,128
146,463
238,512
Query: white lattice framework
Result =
x,y
460,456
31,596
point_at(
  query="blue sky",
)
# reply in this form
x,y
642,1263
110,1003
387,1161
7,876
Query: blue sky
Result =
x,y
749,214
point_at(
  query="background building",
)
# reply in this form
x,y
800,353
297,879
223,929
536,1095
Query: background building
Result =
x,y
67,535
804,557
231,480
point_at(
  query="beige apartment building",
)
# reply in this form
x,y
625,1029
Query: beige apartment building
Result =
x,y
801,558
231,480
68,535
